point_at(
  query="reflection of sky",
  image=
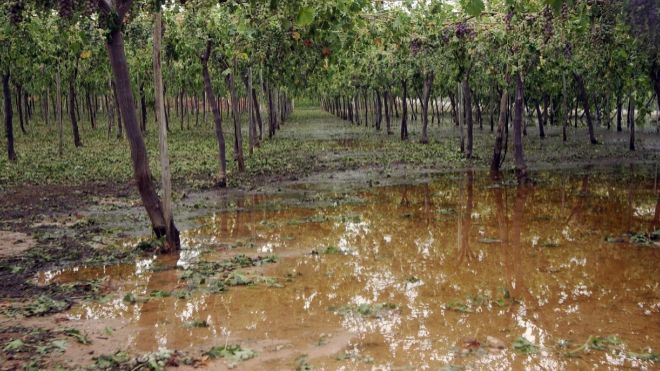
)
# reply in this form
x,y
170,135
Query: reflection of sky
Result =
x,y
413,263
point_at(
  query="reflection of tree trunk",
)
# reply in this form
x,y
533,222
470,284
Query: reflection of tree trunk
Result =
x,y
579,206
404,197
656,216
518,289
428,204
503,229
465,222
156,312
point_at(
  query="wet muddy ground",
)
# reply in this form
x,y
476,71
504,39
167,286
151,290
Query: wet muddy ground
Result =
x,y
454,271
367,253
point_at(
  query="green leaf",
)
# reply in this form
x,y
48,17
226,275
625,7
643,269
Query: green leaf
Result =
x,y
555,4
473,7
76,334
523,345
231,352
14,346
60,345
305,16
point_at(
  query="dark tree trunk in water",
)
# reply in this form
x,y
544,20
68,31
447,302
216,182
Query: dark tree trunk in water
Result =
x,y
143,107
257,113
454,113
655,79
217,117
141,171
564,108
396,107
379,110
9,117
252,127
92,113
117,104
386,102
366,108
521,167
585,103
19,106
499,136
467,97
619,108
426,94
272,112
631,144
541,120
238,137
477,104
72,110
172,238
349,108
404,111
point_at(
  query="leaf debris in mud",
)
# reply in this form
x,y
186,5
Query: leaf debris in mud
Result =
x,y
522,345
365,310
42,306
231,353
76,334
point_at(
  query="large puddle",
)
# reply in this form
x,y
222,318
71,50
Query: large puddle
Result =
x,y
424,276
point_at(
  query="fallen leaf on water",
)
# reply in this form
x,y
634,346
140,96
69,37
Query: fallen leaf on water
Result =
x,y
471,344
493,342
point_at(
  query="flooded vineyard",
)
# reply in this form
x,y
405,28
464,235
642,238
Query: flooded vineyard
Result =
x,y
463,271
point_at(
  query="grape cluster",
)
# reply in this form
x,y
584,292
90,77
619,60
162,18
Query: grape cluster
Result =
x,y
548,29
564,11
644,17
16,8
507,20
87,7
65,8
463,30
416,46
445,35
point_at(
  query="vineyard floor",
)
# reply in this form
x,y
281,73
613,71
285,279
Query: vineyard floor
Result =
x,y
339,247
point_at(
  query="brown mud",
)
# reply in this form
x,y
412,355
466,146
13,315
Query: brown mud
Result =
x,y
395,266
441,273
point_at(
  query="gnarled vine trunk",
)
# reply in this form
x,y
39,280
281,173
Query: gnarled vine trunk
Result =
x,y
171,232
404,110
582,93
499,136
426,95
521,167
141,171
9,117
217,117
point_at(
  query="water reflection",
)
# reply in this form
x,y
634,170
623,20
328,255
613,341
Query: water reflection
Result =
x,y
462,257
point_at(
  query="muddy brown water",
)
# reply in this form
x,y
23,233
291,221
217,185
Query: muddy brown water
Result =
x,y
410,277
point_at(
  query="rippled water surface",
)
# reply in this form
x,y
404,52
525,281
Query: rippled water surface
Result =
x,y
420,276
